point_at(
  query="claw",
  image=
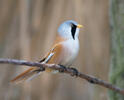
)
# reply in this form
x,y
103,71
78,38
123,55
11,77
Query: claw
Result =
x,y
63,68
41,69
75,71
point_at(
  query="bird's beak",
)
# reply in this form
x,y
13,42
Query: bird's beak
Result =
x,y
79,26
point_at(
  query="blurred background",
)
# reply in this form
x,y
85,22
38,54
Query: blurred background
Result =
x,y
27,30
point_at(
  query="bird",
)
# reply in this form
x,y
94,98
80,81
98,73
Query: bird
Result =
x,y
64,50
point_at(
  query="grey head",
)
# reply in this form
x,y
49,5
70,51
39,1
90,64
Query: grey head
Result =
x,y
69,29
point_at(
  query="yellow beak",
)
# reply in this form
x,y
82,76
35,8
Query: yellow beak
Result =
x,y
79,26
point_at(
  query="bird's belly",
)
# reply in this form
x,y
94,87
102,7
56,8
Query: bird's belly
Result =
x,y
70,53
68,59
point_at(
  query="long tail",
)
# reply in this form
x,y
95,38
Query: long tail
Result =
x,y
26,75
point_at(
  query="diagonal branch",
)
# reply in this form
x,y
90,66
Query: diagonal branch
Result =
x,y
66,70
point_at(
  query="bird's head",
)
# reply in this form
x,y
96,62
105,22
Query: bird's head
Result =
x,y
69,29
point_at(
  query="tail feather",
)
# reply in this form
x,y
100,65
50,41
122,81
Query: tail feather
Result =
x,y
26,75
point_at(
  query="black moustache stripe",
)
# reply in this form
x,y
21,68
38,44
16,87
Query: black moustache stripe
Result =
x,y
73,30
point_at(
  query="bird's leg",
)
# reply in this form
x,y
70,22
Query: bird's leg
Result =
x,y
40,69
63,68
74,71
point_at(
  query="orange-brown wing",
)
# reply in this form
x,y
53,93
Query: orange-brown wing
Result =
x,y
56,58
45,57
57,48
57,54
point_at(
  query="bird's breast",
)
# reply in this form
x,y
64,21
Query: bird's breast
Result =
x,y
70,51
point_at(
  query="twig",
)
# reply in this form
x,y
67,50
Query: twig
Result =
x,y
70,71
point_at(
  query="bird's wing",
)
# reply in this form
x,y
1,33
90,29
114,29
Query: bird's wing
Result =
x,y
57,48
46,57
57,51
55,54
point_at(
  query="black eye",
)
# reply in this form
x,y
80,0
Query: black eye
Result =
x,y
73,30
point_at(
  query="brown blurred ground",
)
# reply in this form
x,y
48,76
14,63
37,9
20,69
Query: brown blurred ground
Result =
x,y
27,29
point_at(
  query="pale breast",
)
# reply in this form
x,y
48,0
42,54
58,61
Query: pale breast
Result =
x,y
71,49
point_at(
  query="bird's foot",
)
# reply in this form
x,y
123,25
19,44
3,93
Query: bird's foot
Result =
x,y
63,68
40,70
74,71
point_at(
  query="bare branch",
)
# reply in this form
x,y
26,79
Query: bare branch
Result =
x,y
70,71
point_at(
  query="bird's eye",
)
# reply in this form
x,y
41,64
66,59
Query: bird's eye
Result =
x,y
73,30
